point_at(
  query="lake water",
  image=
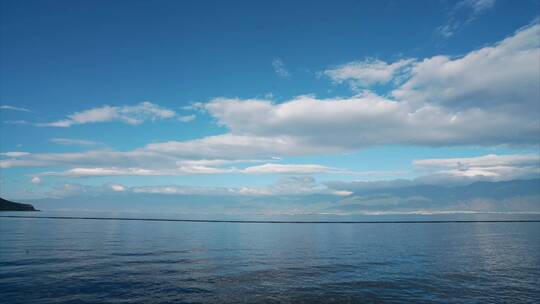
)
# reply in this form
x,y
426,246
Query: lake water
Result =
x,y
115,261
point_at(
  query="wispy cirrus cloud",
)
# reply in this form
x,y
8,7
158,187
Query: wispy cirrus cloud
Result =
x,y
490,160
74,142
461,14
99,163
13,108
17,122
186,118
365,73
134,115
280,68
188,168
15,154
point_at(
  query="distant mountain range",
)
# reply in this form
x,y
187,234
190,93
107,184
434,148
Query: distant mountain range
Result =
x,y
6,205
502,196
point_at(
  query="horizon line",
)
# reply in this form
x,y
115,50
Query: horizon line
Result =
x,y
264,221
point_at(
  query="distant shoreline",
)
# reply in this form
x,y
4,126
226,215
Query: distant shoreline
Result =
x,y
6,205
265,222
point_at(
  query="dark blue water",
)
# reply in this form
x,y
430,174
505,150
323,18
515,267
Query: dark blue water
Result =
x,y
112,261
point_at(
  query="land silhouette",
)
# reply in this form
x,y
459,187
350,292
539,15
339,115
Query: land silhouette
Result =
x,y
6,205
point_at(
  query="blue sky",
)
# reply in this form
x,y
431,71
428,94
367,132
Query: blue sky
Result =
x,y
243,94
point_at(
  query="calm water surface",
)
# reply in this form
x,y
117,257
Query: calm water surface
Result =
x,y
111,261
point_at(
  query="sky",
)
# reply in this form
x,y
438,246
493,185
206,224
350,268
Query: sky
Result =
x,y
265,98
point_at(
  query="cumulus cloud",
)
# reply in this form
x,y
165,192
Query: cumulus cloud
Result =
x,y
117,188
279,68
442,102
308,125
504,77
134,115
13,108
490,96
35,180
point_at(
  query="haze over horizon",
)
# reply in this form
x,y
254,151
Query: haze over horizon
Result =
x,y
271,107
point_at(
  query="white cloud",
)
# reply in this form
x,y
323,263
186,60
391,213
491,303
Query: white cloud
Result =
x,y
234,146
306,185
488,97
144,111
117,188
74,190
477,6
15,154
192,168
279,68
504,77
291,169
443,102
182,190
112,171
73,141
298,185
291,185
489,160
360,74
307,125
492,166
97,158
13,108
